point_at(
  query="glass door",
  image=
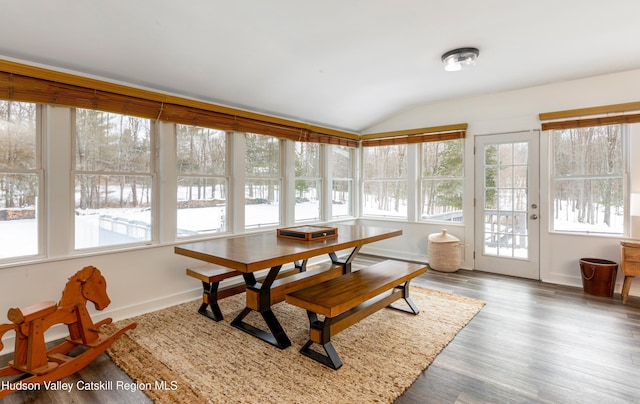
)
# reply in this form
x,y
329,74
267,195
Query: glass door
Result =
x,y
506,204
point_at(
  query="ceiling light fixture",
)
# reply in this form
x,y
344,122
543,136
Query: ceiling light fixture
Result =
x,y
460,59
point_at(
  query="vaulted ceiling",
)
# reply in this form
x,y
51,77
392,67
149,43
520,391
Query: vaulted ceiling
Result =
x,y
343,64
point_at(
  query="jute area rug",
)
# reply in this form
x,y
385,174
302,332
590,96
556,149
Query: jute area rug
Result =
x,y
209,362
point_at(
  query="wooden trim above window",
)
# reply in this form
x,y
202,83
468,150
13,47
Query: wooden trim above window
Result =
x,y
20,82
594,116
334,140
584,123
419,135
605,109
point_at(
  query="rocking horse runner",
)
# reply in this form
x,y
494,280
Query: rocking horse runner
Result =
x,y
31,355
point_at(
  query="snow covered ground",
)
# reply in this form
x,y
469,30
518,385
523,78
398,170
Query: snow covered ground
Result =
x,y
20,237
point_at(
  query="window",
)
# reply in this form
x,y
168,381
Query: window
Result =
x,y
506,185
441,180
308,182
342,181
262,181
202,180
588,179
385,181
20,179
113,179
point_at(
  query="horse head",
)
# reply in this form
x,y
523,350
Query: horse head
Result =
x,y
91,286
94,288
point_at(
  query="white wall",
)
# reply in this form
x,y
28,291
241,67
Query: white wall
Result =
x,y
138,281
515,111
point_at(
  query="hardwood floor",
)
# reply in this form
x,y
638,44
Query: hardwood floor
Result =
x,y
531,343
534,343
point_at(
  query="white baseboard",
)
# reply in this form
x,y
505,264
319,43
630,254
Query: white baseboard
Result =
x,y
393,254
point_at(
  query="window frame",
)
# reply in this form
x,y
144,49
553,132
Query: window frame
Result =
x,y
276,178
223,177
351,180
623,176
422,178
153,182
41,204
365,179
317,180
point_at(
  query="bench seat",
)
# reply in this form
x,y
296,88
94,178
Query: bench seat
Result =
x,y
345,300
287,281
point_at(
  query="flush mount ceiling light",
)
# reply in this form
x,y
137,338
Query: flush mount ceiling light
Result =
x,y
460,59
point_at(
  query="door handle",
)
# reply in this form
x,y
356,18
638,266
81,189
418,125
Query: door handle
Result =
x,y
533,216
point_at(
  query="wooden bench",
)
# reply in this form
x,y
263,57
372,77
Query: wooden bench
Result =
x,y
211,275
345,300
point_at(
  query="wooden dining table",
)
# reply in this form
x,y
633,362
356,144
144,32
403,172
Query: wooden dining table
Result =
x,y
254,252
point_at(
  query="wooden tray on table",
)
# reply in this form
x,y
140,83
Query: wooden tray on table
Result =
x,y
308,233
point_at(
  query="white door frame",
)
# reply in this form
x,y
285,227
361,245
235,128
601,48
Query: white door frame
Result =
x,y
507,234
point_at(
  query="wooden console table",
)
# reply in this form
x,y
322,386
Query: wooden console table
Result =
x,y
630,257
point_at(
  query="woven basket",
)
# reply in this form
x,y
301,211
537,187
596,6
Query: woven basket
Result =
x,y
444,252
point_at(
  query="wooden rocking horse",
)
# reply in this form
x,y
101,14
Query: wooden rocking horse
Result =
x,y
31,356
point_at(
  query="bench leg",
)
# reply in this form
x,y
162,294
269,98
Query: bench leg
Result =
x,y
210,299
413,309
330,358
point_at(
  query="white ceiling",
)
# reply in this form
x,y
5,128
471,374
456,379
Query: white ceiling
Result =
x,y
344,64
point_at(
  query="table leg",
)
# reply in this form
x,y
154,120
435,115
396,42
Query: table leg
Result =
x,y
345,263
277,336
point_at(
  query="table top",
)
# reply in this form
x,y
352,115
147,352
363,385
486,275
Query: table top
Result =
x,y
253,252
